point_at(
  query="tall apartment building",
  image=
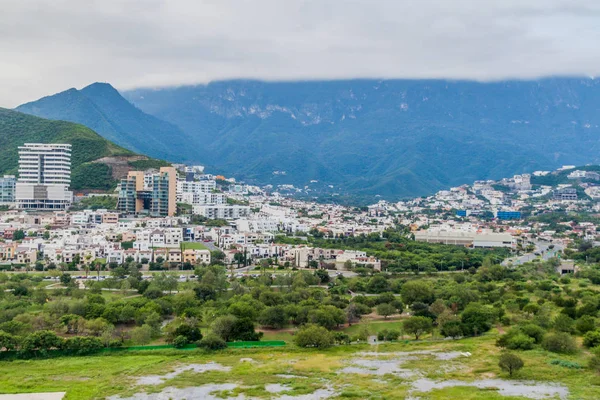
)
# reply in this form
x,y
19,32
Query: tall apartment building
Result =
x,y
164,192
157,199
44,177
7,189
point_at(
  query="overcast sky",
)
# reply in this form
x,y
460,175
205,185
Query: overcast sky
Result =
x,y
50,46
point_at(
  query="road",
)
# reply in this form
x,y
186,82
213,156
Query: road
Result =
x,y
541,248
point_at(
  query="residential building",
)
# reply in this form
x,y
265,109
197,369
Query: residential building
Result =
x,y
7,189
44,177
159,200
222,211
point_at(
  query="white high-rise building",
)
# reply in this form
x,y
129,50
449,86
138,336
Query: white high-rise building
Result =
x,y
44,177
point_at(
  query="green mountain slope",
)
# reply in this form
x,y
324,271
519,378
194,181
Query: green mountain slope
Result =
x,y
96,162
100,107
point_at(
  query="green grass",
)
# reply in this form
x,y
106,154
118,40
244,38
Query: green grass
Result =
x,y
101,376
194,246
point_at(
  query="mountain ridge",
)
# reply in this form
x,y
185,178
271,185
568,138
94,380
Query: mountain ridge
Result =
x,y
96,163
394,138
101,107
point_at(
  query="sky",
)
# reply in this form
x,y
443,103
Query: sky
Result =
x,y
50,46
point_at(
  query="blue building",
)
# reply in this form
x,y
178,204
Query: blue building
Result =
x,y
461,213
506,215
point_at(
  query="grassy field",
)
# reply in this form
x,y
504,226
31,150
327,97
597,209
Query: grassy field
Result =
x,y
303,371
194,246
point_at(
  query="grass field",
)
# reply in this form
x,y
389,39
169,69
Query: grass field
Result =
x,y
194,246
300,371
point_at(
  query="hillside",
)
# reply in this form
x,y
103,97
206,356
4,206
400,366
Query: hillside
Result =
x,y
96,162
100,107
394,138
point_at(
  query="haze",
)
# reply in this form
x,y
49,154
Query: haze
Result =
x,y
48,47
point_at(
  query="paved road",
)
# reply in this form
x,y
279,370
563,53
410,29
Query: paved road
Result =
x,y
541,248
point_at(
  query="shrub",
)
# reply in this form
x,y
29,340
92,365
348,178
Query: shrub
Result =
x,y
341,338
180,341
585,324
566,364
313,336
560,342
533,331
80,345
190,332
591,339
392,335
212,342
510,363
564,323
8,341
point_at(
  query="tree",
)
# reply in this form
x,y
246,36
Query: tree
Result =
x,y
510,363
352,313
273,317
19,234
142,334
477,319
385,310
560,342
418,326
8,342
190,332
212,342
40,342
313,336
223,327
417,291
65,279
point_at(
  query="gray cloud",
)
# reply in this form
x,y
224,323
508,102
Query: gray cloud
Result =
x,y
47,47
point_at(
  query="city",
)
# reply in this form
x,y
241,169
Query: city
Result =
x,y
299,200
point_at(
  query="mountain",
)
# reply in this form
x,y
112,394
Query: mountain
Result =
x,y
100,107
96,163
394,138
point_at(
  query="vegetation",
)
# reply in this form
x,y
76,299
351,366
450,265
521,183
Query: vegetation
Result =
x,y
95,203
510,363
17,128
148,164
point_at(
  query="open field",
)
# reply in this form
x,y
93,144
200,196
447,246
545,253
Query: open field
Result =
x,y
385,371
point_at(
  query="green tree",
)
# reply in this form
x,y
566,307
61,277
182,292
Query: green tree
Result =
x,y
417,291
385,310
313,336
418,326
510,363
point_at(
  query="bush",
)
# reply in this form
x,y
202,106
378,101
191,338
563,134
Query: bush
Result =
x,y
515,340
559,343
313,336
180,341
591,339
585,324
212,342
392,335
533,331
40,342
190,332
341,338
80,345
510,363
